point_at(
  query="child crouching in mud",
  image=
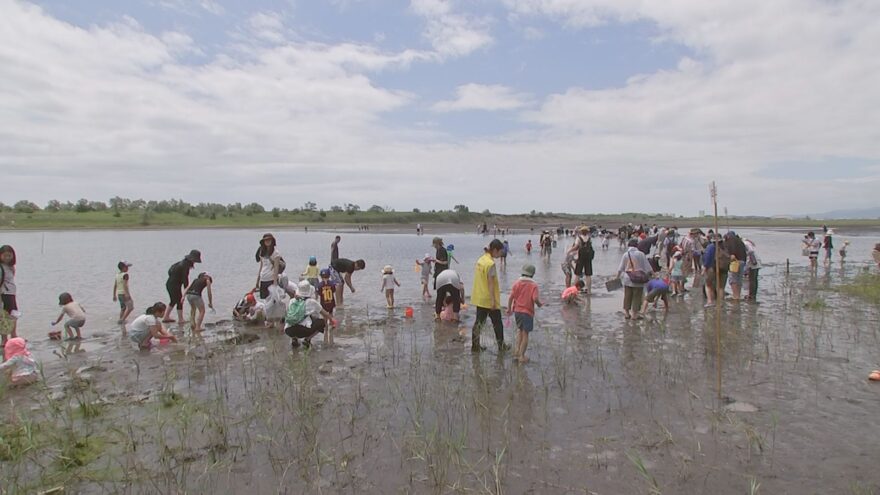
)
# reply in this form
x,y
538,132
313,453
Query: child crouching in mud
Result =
x,y
18,363
306,318
76,316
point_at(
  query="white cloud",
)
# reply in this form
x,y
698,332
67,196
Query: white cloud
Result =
x,y
483,97
451,34
192,7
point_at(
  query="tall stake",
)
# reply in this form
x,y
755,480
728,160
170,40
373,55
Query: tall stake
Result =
x,y
719,294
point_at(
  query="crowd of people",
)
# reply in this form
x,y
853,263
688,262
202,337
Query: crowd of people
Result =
x,y
656,266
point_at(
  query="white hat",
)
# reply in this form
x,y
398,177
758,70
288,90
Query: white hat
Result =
x,y
305,290
387,269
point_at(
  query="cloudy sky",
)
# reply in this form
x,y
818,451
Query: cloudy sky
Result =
x,y
510,105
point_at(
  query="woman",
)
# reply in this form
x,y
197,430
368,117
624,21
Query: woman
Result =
x,y
586,253
812,246
441,258
306,318
271,265
148,326
8,306
486,296
634,271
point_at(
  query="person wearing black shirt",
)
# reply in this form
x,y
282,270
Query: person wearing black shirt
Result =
x,y
178,278
341,270
441,258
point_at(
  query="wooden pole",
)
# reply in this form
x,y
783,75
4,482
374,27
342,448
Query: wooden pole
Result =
x,y
719,294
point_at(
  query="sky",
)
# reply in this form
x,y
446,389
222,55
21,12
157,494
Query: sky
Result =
x,y
578,106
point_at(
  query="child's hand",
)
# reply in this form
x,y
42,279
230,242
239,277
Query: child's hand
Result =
x,y
333,322
114,297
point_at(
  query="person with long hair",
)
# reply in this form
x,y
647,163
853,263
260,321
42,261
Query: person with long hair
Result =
x,y
9,316
271,264
148,326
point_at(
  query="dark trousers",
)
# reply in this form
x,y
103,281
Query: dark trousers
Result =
x,y
495,316
303,332
753,283
448,290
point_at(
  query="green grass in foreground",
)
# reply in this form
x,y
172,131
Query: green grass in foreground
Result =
x,y
865,286
44,220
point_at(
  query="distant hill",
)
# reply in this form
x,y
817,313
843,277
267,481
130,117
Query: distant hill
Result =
x,y
866,213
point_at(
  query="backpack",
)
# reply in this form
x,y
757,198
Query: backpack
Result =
x,y
722,257
296,312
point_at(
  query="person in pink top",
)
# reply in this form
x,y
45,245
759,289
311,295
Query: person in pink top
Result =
x,y
571,294
523,299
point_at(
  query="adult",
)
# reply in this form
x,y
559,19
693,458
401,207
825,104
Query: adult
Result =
x,y
306,318
715,256
634,271
486,296
271,265
737,250
812,246
753,264
875,254
334,248
9,305
646,243
441,258
341,270
147,326
828,245
585,255
178,278
449,284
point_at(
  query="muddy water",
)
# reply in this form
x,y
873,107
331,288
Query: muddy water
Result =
x,y
400,405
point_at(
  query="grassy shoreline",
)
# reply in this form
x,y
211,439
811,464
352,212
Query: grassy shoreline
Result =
x,y
135,220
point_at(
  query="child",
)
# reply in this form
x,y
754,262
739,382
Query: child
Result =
x,y
148,326
448,312
306,318
425,265
522,302
676,271
656,289
842,252
7,293
194,298
388,283
18,363
571,295
75,313
529,247
122,293
449,250
243,309
311,273
327,292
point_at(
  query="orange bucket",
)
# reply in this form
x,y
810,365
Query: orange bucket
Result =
x,y
408,312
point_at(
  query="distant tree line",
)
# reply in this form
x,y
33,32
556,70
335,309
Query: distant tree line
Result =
x,y
118,205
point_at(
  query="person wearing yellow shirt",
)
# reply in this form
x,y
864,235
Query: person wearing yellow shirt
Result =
x,y
486,296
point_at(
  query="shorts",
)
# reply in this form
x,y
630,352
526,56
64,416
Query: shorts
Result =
x,y
524,321
75,323
657,294
335,277
678,278
195,300
736,277
303,332
566,269
710,278
175,294
9,302
124,301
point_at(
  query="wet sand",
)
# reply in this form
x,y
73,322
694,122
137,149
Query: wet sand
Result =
x,y
401,405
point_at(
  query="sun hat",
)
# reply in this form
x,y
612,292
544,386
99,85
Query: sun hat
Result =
x,y
268,236
450,247
387,269
122,264
830,232
313,259
696,230
528,271
304,290
195,256
15,346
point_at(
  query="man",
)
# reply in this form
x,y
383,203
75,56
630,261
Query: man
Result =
x,y
341,270
334,249
486,296
441,258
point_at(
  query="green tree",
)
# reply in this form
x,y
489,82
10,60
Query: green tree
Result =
x,y
376,209
25,206
461,209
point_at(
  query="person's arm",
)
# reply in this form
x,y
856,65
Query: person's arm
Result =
x,y
510,304
114,291
492,290
210,294
347,278
125,286
275,266
10,363
158,331
58,319
396,282
622,267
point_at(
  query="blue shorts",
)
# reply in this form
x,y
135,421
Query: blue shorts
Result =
x,y
524,322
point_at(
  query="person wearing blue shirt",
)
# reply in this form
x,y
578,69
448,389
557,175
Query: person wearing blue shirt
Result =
x,y
657,289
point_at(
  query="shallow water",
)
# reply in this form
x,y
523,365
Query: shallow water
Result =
x,y
401,405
